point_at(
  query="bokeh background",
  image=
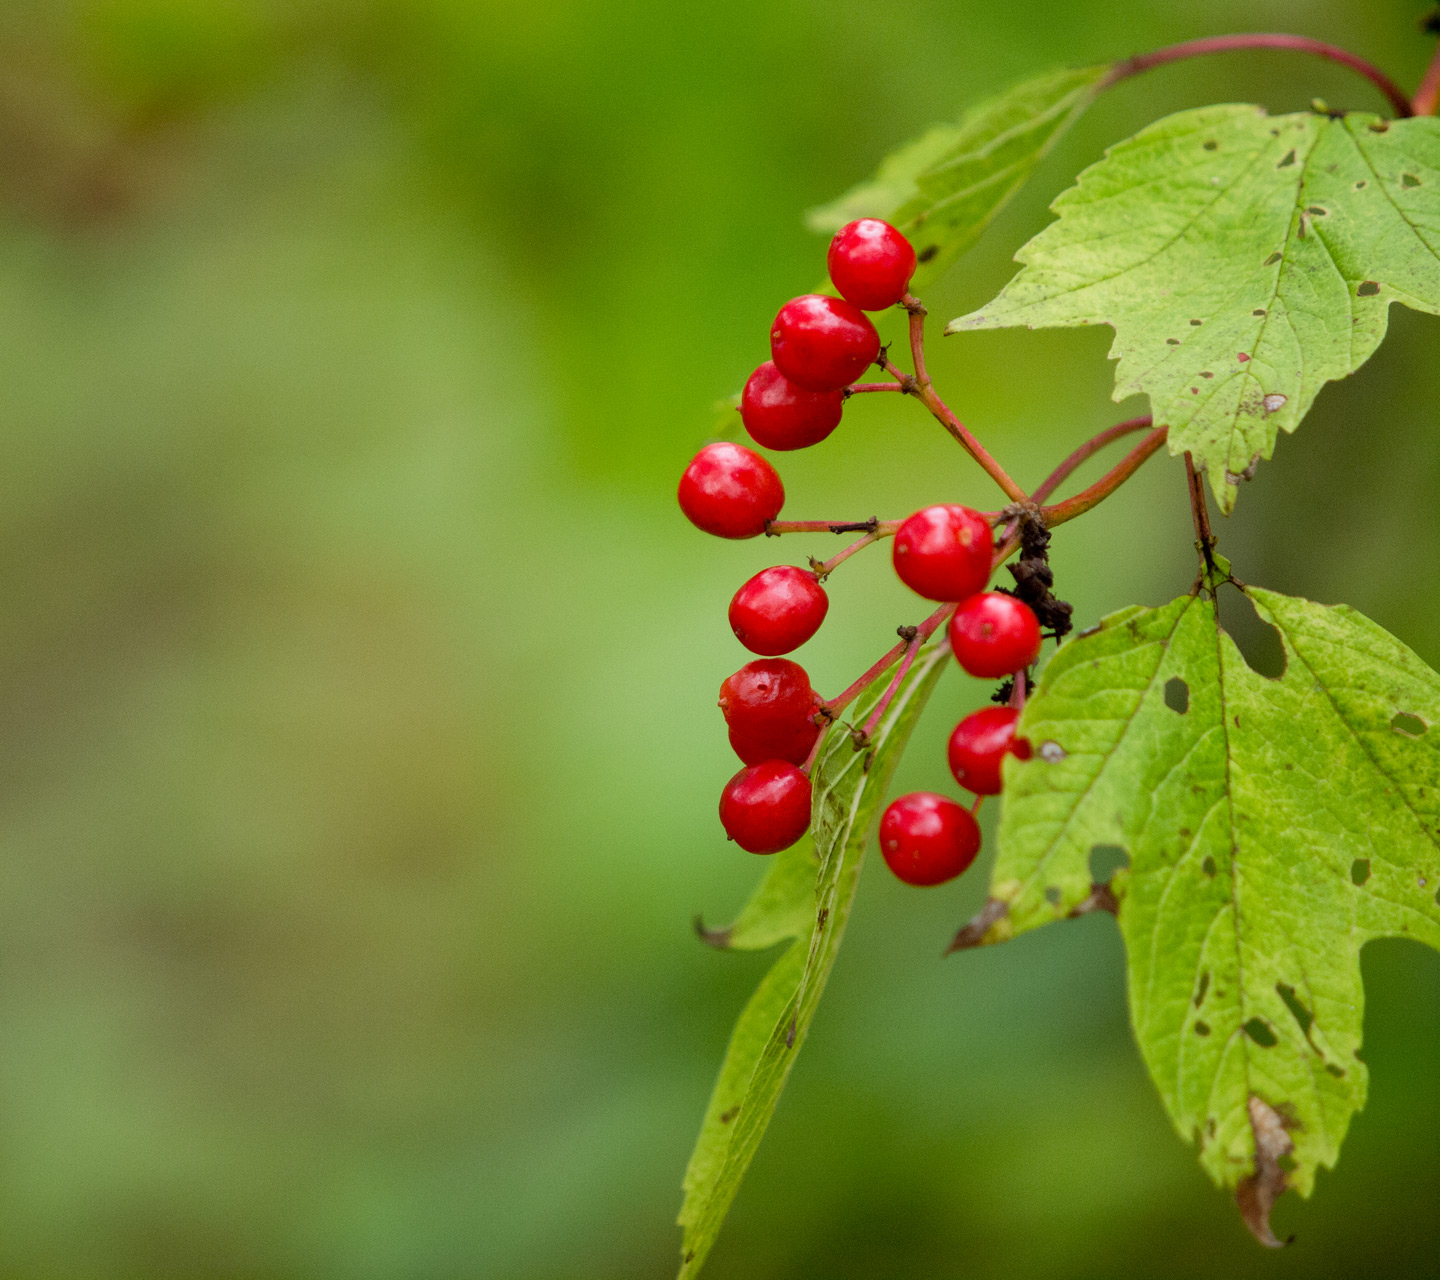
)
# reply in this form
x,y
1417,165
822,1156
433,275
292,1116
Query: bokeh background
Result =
x,y
357,730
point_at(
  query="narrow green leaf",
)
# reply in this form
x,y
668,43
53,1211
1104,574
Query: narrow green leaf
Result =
x,y
944,188
1243,261
1272,828
849,787
782,906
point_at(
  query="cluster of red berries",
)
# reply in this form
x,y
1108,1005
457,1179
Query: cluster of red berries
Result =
x,y
819,346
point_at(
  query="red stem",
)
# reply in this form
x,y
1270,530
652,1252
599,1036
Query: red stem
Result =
x,y
823,569
925,393
857,388
1107,484
1263,40
1092,446
1427,94
873,722
774,528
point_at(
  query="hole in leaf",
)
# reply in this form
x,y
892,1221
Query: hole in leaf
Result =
x,y
1273,258
1259,311
1409,180
1052,896
1202,988
1208,866
1368,288
1174,342
1318,211
1410,726
1210,144
1288,160
1360,186
1259,1031
1360,871
1105,861
1197,322
1301,1014
1337,1071
1258,641
1177,695
1202,1028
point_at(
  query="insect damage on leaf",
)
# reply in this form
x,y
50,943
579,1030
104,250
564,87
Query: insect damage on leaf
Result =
x,y
1243,261
1245,816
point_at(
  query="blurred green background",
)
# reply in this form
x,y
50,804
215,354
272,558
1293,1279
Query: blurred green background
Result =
x,y
357,723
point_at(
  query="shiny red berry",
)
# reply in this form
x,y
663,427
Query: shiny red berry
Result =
x,y
780,415
928,839
769,708
778,610
943,552
994,635
730,491
871,264
980,743
821,343
766,807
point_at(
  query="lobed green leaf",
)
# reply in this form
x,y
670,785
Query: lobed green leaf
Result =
x,y
944,189
1243,261
806,895
1272,826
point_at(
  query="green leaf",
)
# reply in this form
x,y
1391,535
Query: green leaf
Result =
x,y
849,788
944,188
1272,828
1243,260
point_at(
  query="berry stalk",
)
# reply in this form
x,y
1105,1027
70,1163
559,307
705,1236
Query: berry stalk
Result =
x,y
1087,450
1107,484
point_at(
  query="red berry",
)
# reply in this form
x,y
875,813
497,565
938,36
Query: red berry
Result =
x,y
994,635
871,264
780,415
778,610
943,552
821,343
928,839
770,707
730,491
766,807
979,744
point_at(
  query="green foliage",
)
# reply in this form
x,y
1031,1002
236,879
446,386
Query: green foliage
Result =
x,y
806,895
1273,827
1243,260
944,188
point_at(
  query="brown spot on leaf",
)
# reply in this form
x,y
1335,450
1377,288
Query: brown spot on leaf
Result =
x,y
973,934
1379,126
717,938
1100,898
1257,1192
927,253
729,1115
1210,144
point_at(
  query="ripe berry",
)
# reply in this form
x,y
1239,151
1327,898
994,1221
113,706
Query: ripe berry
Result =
x,y
994,635
928,839
778,610
978,745
769,707
780,415
821,343
871,264
943,552
766,807
730,491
